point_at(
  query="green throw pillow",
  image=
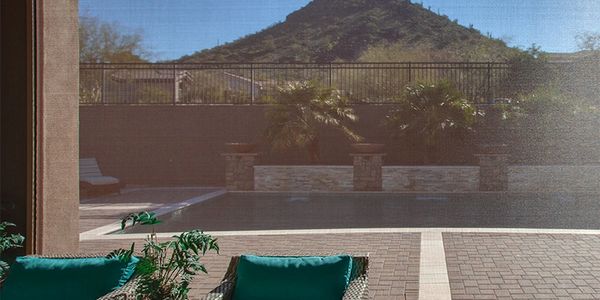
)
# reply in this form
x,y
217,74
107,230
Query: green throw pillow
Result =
x,y
33,278
292,278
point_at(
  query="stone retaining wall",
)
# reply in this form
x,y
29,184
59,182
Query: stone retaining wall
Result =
x,y
303,178
427,178
431,178
554,178
339,178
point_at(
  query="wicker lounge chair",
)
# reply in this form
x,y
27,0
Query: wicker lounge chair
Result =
x,y
92,180
126,292
357,289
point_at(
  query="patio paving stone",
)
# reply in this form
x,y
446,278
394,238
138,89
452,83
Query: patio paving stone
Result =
x,y
523,266
394,257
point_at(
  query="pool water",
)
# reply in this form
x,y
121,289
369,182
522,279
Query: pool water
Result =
x,y
276,211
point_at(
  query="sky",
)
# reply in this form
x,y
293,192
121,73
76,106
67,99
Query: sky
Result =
x,y
173,28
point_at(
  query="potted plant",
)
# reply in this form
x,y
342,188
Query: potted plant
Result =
x,y
166,269
7,241
299,112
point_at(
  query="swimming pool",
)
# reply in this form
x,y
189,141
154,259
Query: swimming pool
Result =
x,y
279,211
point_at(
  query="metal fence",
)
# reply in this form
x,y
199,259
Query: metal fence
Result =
x,y
218,83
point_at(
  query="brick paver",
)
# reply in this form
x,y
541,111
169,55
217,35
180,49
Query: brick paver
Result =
x,y
523,266
394,257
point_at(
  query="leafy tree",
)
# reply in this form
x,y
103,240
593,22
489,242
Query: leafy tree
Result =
x,y
528,70
430,113
301,110
589,41
101,42
549,103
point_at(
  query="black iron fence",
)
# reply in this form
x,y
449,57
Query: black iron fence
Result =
x,y
255,83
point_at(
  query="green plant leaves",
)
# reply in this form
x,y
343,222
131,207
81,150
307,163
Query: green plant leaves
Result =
x,y
144,218
123,255
301,110
8,241
166,269
430,113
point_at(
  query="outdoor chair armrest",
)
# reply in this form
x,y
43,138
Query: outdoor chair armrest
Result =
x,y
126,292
223,292
358,289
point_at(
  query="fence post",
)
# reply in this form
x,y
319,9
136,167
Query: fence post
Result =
x,y
330,75
409,73
489,82
175,86
252,90
103,99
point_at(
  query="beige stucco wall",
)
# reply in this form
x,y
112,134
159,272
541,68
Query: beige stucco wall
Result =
x,y
58,135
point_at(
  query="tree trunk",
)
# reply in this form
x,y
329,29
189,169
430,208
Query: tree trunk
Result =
x,y
430,155
314,151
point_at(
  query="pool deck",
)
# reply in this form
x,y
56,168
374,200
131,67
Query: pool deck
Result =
x,y
411,263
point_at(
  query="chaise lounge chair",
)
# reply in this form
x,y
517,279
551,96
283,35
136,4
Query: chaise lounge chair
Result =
x,y
357,289
63,287
91,179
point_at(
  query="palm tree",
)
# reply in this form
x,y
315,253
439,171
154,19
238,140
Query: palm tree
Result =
x,y
430,113
301,110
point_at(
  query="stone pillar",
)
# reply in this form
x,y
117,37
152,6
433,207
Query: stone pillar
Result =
x,y
493,168
239,171
367,171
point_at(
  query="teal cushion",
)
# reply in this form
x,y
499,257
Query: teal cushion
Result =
x,y
292,278
33,278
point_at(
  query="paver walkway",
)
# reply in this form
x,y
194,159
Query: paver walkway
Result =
x,y
394,258
523,266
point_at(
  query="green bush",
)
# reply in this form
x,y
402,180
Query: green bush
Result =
x,y
300,110
429,114
8,241
550,103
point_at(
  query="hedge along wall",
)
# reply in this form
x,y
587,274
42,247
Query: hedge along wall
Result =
x,y
182,145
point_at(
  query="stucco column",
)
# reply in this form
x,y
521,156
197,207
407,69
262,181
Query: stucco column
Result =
x,y
367,171
239,171
493,168
57,149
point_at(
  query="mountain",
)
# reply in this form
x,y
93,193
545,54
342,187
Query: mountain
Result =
x,y
569,57
360,30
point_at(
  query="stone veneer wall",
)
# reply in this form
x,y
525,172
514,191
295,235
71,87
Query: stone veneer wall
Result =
x,y
431,178
303,178
554,178
427,178
340,178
